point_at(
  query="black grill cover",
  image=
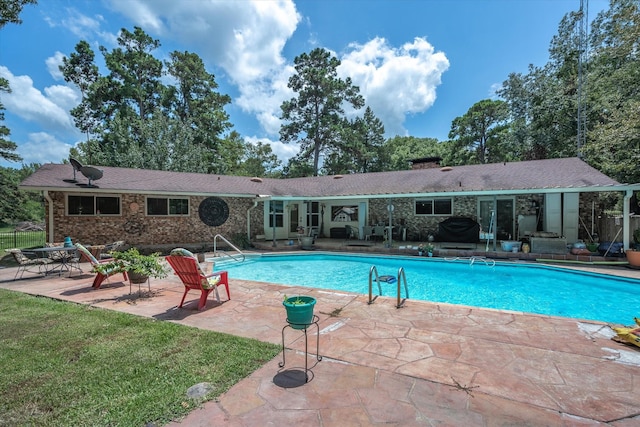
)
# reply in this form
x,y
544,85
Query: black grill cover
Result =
x,y
458,229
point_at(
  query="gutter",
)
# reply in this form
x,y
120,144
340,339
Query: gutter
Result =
x,y
49,200
259,198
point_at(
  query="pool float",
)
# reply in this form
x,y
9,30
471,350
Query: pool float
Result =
x,y
388,279
629,335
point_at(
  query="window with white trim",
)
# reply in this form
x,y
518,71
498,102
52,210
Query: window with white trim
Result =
x,y
167,206
92,205
434,207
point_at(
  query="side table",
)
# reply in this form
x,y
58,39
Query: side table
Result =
x,y
314,321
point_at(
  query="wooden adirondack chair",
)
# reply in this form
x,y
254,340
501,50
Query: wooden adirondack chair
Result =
x,y
193,277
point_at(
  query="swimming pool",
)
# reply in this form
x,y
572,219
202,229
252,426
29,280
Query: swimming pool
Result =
x,y
521,287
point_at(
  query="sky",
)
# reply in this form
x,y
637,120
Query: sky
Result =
x,y
419,64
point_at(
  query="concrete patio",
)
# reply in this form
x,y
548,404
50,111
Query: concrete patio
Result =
x,y
424,364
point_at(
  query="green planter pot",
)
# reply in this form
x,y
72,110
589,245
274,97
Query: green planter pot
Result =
x,y
299,311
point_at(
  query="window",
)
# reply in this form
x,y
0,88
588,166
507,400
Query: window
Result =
x,y
93,205
434,207
167,206
276,211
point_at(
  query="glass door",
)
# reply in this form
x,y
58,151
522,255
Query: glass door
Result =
x,y
496,216
294,218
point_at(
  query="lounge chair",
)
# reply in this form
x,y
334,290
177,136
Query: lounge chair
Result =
x,y
100,277
192,276
26,260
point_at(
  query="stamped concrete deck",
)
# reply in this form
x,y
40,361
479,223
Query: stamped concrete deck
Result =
x,y
424,364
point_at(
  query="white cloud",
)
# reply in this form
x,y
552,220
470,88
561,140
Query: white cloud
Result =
x,y
53,65
244,38
49,110
395,81
283,151
42,147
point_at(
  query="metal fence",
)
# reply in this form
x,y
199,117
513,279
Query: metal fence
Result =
x,y
21,239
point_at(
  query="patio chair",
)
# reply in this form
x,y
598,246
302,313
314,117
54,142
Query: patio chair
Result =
x,y
352,232
100,277
26,260
193,277
70,260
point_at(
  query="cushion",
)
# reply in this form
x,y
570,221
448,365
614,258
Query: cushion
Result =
x,y
87,253
207,282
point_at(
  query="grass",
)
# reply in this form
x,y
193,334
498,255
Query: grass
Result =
x,y
74,365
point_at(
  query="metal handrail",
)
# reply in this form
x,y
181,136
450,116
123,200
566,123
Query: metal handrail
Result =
x,y
215,248
406,288
372,270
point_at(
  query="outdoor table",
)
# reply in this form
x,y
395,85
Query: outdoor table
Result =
x,y
65,265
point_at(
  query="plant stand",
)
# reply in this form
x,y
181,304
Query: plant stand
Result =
x,y
138,280
303,327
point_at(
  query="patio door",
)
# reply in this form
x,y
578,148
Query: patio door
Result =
x,y
295,217
503,209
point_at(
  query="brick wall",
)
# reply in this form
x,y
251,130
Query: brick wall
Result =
x,y
138,229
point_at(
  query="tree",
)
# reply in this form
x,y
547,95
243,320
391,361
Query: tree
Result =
x,y
400,150
314,117
194,100
10,11
15,204
360,147
481,131
613,140
81,70
135,120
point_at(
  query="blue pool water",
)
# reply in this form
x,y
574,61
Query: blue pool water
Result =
x,y
528,288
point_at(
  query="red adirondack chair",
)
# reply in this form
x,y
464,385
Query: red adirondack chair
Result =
x,y
192,277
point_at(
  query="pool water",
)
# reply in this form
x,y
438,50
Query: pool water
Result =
x,y
527,288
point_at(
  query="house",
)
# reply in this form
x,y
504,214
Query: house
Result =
x,y
148,207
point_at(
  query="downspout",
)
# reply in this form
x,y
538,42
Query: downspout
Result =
x,y
49,200
626,213
255,204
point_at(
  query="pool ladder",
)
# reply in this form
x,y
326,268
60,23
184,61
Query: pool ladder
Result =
x,y
401,275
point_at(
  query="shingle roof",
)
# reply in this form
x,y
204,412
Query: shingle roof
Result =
x,y
545,175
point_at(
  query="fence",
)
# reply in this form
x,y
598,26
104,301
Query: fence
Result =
x,y
21,239
609,228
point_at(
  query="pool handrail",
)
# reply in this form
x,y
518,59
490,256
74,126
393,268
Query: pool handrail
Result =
x,y
215,248
401,273
372,270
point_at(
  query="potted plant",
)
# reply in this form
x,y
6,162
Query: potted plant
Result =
x,y
420,249
633,255
299,311
138,267
429,249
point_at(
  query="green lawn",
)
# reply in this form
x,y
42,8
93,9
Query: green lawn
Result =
x,y
65,364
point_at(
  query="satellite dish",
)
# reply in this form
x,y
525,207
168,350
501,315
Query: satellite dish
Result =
x,y
76,167
93,174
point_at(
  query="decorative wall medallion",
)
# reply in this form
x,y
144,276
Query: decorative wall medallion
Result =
x,y
133,207
213,211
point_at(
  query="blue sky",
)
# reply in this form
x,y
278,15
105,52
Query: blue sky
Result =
x,y
418,63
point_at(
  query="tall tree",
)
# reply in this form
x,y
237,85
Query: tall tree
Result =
x,y
481,131
10,11
613,140
79,68
195,101
137,121
314,116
